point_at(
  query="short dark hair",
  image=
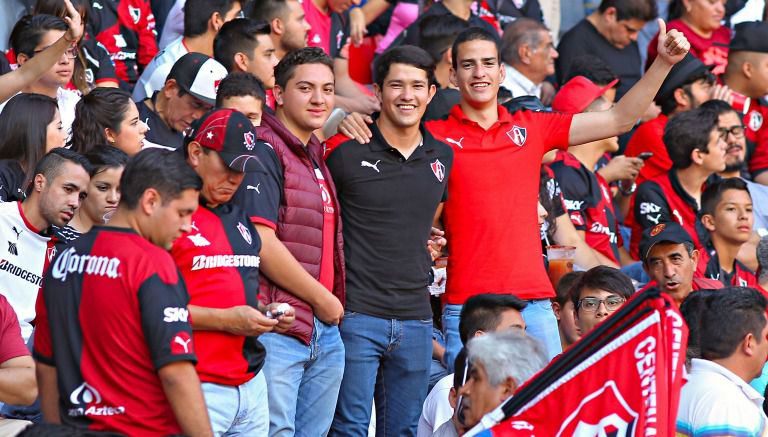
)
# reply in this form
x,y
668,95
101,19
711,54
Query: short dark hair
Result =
x,y
483,311
240,83
692,309
268,10
238,36
643,10
405,54
668,103
30,29
523,31
164,170
718,106
308,55
198,12
686,132
103,157
99,109
438,33
593,68
563,288
713,194
459,367
745,311
51,165
603,278
473,34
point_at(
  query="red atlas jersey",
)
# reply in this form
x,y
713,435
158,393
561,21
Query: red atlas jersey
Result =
x,y
757,136
649,137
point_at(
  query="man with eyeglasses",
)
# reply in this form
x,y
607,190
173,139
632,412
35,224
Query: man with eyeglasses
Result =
x,y
598,293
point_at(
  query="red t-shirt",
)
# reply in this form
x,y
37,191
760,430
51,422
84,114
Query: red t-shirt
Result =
x,y
319,34
649,137
329,233
11,343
757,135
490,218
710,51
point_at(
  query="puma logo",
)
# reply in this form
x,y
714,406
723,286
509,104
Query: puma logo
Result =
x,y
653,219
183,343
17,232
256,188
373,166
458,143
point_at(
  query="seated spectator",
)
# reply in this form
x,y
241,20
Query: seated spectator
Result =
x,y
245,45
28,130
188,93
697,150
139,285
499,363
287,21
56,191
529,58
701,21
610,33
103,194
202,21
30,36
717,395
17,369
688,85
726,213
596,70
242,92
565,311
748,81
444,422
670,259
597,294
108,116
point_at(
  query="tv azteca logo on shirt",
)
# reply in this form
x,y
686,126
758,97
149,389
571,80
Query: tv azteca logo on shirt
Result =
x,y
87,399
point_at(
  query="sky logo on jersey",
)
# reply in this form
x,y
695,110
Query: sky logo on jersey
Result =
x,y
70,262
175,314
438,169
89,398
245,233
518,135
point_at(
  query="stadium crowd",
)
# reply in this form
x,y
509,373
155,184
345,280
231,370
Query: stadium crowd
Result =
x,y
351,218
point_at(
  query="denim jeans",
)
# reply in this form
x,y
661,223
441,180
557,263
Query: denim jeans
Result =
x,y
303,381
389,359
437,369
453,345
240,410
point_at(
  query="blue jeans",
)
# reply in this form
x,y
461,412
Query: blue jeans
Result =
x,y
451,315
389,359
240,410
303,381
437,369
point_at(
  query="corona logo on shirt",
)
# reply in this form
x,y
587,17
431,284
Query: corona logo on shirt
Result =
x,y
86,400
70,262
586,421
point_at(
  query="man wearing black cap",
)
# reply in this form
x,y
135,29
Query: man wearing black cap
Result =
x,y
688,85
669,258
219,260
747,76
189,91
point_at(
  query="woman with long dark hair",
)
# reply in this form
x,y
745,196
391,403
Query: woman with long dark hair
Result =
x,y
30,126
107,116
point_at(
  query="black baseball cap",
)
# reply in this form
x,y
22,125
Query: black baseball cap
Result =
x,y
669,232
230,134
750,36
681,74
198,75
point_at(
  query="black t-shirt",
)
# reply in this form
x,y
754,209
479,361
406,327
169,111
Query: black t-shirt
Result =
x,y
11,180
100,67
506,12
584,39
442,103
159,134
387,206
412,34
260,192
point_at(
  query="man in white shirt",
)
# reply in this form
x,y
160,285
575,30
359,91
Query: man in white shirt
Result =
x,y
529,54
728,338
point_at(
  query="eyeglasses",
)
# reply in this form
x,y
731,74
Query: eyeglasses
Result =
x,y
737,131
591,304
71,52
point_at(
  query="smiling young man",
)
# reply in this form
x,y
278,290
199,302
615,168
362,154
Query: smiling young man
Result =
x,y
389,191
245,45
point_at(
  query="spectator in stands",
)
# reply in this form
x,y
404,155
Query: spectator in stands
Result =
x,y
670,259
33,34
438,418
689,84
529,57
701,21
152,342
747,77
717,395
107,164
126,28
242,92
202,21
697,150
245,45
499,363
726,213
611,34
437,35
597,294
596,70
58,187
17,369
459,8
28,130
108,116
565,311
189,91
288,23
